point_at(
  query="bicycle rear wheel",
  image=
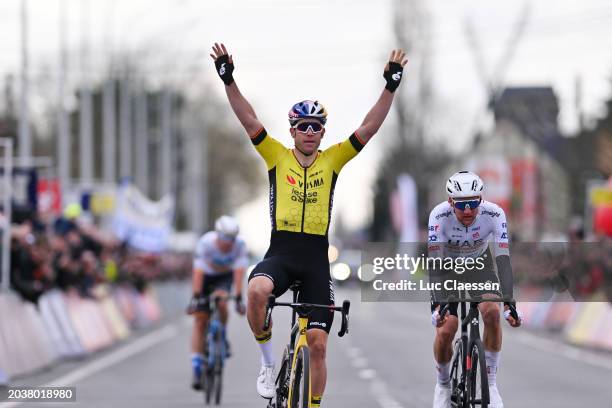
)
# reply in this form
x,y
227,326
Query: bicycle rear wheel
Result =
x,y
457,374
300,386
478,385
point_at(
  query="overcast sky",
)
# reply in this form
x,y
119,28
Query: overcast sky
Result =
x,y
333,51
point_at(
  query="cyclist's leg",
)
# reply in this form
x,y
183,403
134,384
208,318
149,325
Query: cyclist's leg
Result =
x,y
443,354
492,333
202,316
199,317
443,342
269,276
200,323
317,288
317,345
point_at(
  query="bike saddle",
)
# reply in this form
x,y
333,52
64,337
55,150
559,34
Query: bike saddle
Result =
x,y
296,286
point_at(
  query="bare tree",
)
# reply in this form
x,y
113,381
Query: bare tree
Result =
x,y
411,150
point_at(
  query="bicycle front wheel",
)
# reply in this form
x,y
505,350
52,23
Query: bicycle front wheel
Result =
x,y
209,384
478,384
457,374
218,383
300,385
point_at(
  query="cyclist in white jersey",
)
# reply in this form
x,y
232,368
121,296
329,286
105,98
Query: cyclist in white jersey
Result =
x,y
220,261
463,227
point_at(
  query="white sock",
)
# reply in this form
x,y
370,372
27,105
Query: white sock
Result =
x,y
492,358
267,358
443,372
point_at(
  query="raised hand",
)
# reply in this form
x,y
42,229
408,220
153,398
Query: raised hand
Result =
x,y
224,63
394,69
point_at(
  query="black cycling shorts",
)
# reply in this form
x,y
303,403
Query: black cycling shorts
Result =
x,y
300,257
487,274
222,281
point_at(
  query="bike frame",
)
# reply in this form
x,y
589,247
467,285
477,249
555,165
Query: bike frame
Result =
x,y
299,340
471,319
215,328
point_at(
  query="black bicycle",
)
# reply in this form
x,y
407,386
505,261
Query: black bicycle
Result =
x,y
293,380
469,381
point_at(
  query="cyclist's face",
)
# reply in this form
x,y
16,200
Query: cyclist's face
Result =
x,y
466,216
306,139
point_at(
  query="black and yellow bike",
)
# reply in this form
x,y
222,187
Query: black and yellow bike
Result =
x,y
293,380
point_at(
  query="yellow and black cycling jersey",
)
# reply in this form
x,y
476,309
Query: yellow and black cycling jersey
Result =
x,y
301,198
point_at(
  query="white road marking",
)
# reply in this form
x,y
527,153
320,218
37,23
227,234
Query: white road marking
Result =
x,y
378,388
360,362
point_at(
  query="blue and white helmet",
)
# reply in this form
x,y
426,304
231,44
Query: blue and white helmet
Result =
x,y
464,184
307,110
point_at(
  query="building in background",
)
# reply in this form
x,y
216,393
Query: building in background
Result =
x,y
521,162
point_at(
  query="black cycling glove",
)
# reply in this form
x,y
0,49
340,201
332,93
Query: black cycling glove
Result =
x,y
225,69
393,76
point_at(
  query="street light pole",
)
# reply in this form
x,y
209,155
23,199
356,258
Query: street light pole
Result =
x,y
7,144
63,124
25,137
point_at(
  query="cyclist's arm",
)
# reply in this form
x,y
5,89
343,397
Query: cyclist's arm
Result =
x,y
501,252
238,279
375,117
243,109
199,264
197,281
239,267
224,64
435,250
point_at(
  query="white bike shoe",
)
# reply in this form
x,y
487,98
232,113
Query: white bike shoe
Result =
x,y
495,400
265,382
442,396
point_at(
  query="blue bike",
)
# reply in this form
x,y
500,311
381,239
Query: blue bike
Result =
x,y
216,352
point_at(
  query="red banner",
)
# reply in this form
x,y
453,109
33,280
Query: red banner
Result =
x,y
49,196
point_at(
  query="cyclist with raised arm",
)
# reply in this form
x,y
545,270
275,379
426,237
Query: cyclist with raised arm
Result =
x,y
302,181
463,227
219,262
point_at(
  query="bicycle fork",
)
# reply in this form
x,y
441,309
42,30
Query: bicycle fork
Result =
x,y
216,342
300,341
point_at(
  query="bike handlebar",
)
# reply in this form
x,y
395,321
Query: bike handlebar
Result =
x,y
303,309
510,303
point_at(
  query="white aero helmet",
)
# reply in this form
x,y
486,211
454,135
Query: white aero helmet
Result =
x,y
227,226
464,184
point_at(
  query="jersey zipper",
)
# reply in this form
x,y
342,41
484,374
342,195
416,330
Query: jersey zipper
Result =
x,y
304,200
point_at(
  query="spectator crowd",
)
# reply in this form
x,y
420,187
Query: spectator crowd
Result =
x,y
71,254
